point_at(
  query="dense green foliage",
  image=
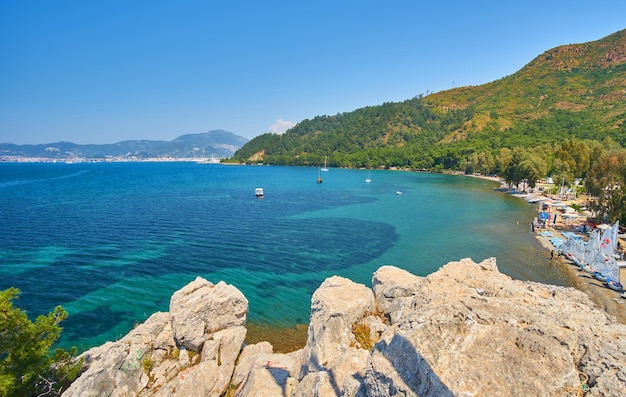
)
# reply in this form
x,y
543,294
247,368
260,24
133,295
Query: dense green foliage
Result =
x,y
607,182
392,134
557,116
27,366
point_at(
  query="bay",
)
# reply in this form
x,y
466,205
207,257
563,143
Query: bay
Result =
x,y
111,242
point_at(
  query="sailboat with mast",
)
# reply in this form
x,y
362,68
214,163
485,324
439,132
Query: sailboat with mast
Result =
x,y
324,169
607,255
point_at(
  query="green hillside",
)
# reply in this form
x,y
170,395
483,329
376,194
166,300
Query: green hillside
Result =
x,y
569,92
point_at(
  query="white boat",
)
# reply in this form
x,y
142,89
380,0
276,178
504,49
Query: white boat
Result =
x,y
599,276
615,285
573,250
369,178
210,160
324,169
593,256
258,192
399,192
535,199
604,260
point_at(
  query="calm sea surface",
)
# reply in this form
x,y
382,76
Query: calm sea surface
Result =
x,y
112,242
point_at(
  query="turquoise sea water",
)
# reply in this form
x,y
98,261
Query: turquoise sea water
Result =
x,y
111,242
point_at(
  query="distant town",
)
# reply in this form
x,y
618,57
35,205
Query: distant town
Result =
x,y
108,159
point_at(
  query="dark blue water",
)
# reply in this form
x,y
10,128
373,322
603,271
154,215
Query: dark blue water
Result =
x,y
111,242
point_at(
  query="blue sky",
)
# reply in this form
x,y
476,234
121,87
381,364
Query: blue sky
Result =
x,y
107,71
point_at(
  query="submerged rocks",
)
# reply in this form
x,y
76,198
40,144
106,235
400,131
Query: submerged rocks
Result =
x,y
465,330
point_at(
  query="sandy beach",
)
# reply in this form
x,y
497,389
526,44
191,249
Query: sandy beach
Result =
x,y
609,300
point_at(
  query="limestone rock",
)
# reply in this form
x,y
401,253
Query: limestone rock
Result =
x,y
335,307
269,376
248,356
117,369
394,289
201,308
474,331
149,362
318,384
397,368
224,347
465,330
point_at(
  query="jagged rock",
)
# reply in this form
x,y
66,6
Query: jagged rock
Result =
x,y
474,331
201,308
465,330
396,368
394,289
224,347
335,307
247,358
199,380
117,369
269,376
149,362
318,384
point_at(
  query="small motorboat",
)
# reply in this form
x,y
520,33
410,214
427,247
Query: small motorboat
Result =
x,y
258,192
588,269
615,285
599,276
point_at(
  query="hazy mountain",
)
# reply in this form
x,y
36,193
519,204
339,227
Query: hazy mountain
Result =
x,y
217,143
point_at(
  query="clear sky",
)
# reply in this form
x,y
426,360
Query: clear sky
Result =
x,y
113,70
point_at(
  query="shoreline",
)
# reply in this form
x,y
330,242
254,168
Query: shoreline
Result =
x,y
609,300
288,339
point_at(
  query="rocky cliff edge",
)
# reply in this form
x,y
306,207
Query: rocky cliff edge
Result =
x,y
465,330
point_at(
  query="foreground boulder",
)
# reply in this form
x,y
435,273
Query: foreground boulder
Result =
x,y
465,330
331,360
200,309
468,329
190,351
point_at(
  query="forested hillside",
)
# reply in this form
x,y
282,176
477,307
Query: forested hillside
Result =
x,y
569,92
562,115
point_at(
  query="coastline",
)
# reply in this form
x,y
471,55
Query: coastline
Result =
x,y
609,300
291,339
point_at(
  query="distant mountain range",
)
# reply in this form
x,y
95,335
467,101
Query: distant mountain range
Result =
x,y
216,143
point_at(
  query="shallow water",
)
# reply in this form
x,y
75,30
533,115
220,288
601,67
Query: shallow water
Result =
x,y
111,242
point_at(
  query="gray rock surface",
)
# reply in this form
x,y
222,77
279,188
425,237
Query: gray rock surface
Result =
x,y
201,308
465,330
335,307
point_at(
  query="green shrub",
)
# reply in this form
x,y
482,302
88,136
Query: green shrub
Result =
x,y
27,365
